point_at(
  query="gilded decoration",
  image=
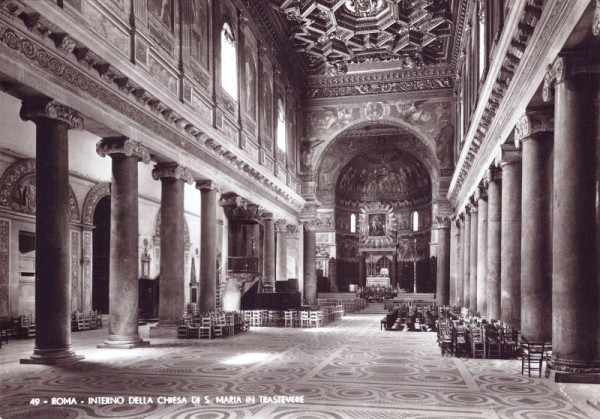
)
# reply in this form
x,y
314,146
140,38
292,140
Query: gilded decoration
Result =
x,y
18,189
377,225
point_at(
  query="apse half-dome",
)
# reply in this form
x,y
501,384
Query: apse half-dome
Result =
x,y
384,175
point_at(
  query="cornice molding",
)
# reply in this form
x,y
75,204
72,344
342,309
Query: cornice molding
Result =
x,y
122,146
44,108
91,76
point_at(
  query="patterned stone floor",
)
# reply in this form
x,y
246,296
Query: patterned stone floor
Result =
x,y
349,369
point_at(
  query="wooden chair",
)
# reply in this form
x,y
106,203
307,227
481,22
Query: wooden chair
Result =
x,y
532,356
304,319
182,329
205,328
27,326
219,326
477,342
315,319
459,341
493,342
288,318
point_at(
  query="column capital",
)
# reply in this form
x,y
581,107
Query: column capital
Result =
x,y
481,192
292,230
45,108
471,207
266,216
443,221
310,223
492,174
534,123
206,185
280,226
122,146
172,170
459,221
568,64
509,154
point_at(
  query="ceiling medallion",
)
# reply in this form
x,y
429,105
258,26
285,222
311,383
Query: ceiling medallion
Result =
x,y
364,8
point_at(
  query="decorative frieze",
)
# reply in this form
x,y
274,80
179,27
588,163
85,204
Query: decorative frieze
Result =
x,y
129,148
47,108
172,170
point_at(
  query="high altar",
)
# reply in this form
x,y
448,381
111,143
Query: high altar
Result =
x,y
378,270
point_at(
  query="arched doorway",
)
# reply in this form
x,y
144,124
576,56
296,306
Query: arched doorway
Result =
x,y
101,255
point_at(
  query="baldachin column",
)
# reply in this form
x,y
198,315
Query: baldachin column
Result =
x,y
52,263
534,133
124,228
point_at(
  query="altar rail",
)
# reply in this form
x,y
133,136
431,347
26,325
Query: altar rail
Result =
x,y
419,299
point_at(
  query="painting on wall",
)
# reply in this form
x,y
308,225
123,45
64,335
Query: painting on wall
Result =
x,y
250,74
162,10
376,224
199,32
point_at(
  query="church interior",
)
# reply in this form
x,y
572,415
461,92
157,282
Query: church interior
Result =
x,y
300,209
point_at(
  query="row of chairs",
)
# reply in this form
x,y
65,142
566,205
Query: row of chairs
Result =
x,y
477,340
21,326
211,325
350,305
316,317
86,321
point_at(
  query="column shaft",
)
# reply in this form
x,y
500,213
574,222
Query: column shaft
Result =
x,y
310,265
443,266
208,249
124,275
482,250
473,261
453,262
467,260
269,252
575,294
53,282
510,257
281,255
536,245
172,281
493,254
460,263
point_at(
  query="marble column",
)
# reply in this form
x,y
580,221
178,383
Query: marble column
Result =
x,y
482,249
53,282
466,258
575,285
510,254
310,262
443,261
269,250
460,261
473,258
362,268
281,254
534,132
124,234
494,181
172,237
208,245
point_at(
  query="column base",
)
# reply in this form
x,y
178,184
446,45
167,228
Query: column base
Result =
x,y
164,332
52,357
571,372
120,343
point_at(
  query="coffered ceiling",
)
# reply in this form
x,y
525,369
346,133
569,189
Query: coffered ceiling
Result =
x,y
350,43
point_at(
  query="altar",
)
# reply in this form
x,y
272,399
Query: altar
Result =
x,y
378,281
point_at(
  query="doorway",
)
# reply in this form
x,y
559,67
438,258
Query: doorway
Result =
x,y
101,256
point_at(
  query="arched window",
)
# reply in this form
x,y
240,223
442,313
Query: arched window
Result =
x,y
281,128
229,76
415,221
353,223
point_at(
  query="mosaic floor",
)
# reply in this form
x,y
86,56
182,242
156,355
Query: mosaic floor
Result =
x,y
349,369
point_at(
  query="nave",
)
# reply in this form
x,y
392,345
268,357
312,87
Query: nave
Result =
x,y
349,369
